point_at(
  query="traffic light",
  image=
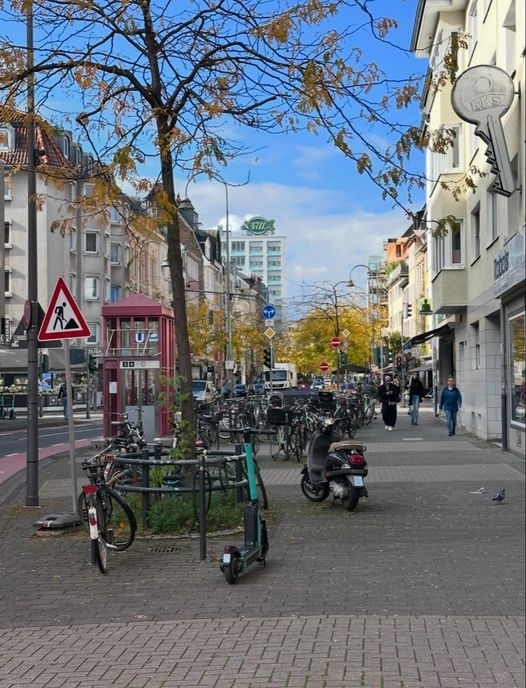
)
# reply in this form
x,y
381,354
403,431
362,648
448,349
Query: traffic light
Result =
x,y
398,361
409,310
92,363
267,358
390,356
45,363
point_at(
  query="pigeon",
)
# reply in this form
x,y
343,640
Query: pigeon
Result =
x,y
499,497
481,490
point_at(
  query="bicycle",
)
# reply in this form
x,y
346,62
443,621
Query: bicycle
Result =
x,y
95,517
118,524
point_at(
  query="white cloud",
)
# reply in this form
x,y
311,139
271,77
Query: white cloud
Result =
x,y
328,232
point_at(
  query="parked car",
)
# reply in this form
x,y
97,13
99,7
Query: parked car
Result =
x,y
258,387
203,391
240,390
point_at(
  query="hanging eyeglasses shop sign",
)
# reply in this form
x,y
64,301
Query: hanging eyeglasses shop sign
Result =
x,y
482,95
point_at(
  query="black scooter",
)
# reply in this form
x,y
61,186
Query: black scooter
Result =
x,y
334,466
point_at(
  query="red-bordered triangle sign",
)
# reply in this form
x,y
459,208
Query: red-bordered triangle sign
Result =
x,y
63,319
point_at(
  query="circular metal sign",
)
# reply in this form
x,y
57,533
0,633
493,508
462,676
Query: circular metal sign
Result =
x,y
324,366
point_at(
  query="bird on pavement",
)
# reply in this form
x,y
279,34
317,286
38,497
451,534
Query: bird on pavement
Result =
x,y
499,497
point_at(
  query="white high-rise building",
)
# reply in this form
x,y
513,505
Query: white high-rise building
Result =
x,y
258,251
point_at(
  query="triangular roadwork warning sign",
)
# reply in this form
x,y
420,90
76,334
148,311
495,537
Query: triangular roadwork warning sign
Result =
x,y
63,319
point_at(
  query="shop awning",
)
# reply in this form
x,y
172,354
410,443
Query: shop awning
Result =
x,y
424,336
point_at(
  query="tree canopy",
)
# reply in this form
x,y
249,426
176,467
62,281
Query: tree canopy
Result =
x,y
154,87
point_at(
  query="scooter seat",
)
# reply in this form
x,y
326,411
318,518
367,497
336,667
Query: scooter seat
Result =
x,y
347,444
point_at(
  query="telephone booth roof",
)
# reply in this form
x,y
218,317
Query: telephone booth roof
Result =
x,y
137,305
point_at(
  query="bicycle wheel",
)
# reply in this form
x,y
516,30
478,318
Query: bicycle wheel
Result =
x,y
99,554
118,524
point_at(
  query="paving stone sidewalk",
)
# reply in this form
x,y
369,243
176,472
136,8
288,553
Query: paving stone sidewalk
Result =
x,y
422,586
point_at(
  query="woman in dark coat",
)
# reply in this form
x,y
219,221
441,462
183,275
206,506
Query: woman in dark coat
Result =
x,y
389,395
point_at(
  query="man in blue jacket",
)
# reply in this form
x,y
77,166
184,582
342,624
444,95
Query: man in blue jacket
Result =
x,y
450,403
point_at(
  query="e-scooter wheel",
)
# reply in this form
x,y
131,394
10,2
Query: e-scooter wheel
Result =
x,y
231,568
314,494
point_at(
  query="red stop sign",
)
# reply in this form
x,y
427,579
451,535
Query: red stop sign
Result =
x,y
324,366
335,342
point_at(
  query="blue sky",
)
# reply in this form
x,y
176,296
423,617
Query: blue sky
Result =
x,y
333,217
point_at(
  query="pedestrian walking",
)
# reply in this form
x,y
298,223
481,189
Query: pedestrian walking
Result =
x,y
389,396
63,398
416,394
450,403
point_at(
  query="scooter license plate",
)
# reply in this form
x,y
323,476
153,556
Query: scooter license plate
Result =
x,y
226,557
357,481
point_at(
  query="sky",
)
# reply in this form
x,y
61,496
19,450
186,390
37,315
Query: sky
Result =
x,y
333,217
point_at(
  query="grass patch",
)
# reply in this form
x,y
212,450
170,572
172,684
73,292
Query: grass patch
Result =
x,y
177,515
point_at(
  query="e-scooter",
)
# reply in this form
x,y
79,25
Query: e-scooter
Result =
x,y
236,559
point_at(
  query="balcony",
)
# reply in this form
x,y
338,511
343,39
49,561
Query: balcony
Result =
x,y
450,291
399,276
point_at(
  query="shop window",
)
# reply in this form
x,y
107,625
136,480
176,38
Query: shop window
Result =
x,y
517,367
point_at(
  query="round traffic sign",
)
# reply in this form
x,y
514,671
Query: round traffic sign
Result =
x,y
335,342
324,366
269,311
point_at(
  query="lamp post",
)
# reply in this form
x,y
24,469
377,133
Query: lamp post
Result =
x,y
229,363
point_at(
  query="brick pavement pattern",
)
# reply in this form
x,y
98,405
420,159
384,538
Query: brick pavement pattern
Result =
x,y
422,586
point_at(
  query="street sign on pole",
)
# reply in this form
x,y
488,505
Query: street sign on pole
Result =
x,y
269,311
324,366
63,319
269,333
335,342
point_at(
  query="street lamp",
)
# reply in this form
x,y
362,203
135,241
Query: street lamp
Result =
x,y
229,364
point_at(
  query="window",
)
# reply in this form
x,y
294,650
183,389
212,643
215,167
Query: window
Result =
x,y
91,288
448,161
476,344
7,282
8,187
517,368
456,244
94,329
91,242
509,29
115,254
447,249
493,216
115,293
475,233
7,233
473,26
73,239
7,137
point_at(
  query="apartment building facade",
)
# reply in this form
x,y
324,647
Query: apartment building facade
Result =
x,y
476,266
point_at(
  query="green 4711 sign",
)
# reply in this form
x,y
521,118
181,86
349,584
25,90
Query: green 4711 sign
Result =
x,y
259,225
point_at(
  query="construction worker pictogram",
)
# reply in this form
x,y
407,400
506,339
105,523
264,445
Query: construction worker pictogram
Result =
x,y
63,319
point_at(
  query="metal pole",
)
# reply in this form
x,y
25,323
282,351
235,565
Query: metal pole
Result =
x,y
32,281
228,295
